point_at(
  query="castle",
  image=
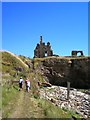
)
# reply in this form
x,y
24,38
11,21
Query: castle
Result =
x,y
42,50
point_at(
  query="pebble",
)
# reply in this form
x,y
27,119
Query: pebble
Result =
x,y
78,101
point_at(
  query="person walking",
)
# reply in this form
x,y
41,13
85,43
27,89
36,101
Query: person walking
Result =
x,y
27,85
20,83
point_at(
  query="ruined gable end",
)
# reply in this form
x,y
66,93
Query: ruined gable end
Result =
x,y
43,50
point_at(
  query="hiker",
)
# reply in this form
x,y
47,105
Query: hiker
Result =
x,y
20,83
27,85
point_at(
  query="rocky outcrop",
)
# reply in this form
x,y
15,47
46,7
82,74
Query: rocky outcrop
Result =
x,y
60,70
44,84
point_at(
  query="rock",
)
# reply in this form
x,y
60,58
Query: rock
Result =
x,y
87,102
77,102
63,105
53,100
62,98
72,96
86,97
45,84
86,112
79,94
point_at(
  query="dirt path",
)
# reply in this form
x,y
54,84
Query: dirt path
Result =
x,y
26,107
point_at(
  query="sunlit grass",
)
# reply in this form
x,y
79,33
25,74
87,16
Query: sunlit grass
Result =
x,y
52,111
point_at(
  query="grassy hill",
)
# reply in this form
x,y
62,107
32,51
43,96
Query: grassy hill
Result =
x,y
21,104
13,66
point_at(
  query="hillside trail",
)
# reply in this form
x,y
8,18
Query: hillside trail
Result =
x,y
26,107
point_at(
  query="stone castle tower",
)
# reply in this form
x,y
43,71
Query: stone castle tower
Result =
x,y
42,50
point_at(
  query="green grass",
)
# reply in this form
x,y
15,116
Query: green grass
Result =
x,y
7,94
52,111
11,61
72,113
0,97
13,66
8,97
34,78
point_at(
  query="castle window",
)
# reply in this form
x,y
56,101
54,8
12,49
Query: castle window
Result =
x,y
45,54
78,54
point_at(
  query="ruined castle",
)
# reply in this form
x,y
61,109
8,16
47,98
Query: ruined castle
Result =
x,y
42,50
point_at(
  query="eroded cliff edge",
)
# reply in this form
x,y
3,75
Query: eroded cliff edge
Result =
x,y
59,70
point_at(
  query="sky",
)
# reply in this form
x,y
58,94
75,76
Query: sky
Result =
x,y
63,24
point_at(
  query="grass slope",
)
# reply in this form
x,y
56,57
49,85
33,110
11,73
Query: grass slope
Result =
x,y
13,66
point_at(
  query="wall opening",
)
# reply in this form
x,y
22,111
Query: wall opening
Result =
x,y
45,54
78,54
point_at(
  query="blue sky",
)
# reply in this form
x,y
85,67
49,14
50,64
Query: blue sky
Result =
x,y
63,24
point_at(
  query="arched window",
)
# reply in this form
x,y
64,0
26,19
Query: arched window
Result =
x,y
78,53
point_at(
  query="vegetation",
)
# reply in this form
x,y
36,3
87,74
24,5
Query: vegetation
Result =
x,y
0,101
12,69
9,96
13,66
72,113
52,111
34,79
